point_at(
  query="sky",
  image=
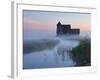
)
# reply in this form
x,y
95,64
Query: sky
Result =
x,y
47,20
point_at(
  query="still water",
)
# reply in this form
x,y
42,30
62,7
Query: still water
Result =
x,y
51,58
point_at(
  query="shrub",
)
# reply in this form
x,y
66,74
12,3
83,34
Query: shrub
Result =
x,y
81,54
39,45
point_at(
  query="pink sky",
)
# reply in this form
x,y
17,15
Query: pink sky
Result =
x,y
48,26
83,26
51,26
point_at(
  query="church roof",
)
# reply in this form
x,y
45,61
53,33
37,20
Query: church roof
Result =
x,y
59,23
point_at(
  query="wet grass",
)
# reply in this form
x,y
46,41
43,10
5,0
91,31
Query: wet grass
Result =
x,y
39,45
81,54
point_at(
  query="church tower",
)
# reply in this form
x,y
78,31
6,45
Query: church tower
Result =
x,y
59,28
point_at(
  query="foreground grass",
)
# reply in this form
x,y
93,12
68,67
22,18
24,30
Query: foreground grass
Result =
x,y
39,45
81,54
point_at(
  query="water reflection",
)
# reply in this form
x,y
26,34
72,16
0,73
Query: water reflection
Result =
x,y
61,52
50,58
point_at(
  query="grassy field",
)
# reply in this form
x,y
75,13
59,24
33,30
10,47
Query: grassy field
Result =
x,y
39,45
81,54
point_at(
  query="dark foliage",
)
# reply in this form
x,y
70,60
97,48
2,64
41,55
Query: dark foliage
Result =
x,y
82,53
39,45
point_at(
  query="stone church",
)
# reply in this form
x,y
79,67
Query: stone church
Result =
x,y
63,29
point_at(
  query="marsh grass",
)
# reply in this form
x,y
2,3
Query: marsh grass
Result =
x,y
81,54
39,45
